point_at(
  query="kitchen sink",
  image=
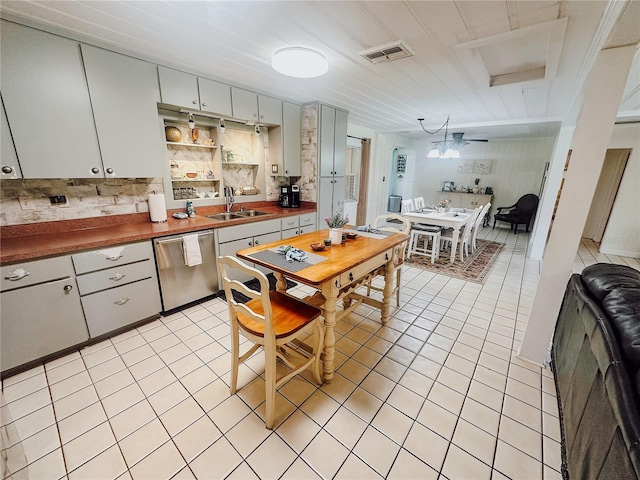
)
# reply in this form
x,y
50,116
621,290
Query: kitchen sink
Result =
x,y
223,216
251,213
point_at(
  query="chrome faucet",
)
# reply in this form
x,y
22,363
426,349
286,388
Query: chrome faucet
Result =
x,y
228,191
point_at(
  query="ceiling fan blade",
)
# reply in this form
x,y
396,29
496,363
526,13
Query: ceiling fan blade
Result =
x,y
474,140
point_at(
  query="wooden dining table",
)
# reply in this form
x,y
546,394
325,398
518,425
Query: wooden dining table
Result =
x,y
336,273
455,219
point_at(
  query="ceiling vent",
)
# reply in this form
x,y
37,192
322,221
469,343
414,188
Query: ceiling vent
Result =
x,y
387,53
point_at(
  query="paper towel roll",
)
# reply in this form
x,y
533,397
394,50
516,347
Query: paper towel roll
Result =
x,y
157,208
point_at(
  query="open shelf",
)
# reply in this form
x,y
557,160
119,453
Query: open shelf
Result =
x,y
196,145
242,163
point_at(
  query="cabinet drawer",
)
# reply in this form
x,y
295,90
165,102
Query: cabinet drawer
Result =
x,y
307,219
291,232
37,271
290,222
110,257
118,307
360,270
311,227
114,277
229,234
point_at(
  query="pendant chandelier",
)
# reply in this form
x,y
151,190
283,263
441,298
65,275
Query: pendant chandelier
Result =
x,y
443,148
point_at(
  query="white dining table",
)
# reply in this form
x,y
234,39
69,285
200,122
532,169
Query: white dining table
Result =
x,y
455,218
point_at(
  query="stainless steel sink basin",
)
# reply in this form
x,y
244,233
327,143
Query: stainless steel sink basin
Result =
x,y
223,216
251,213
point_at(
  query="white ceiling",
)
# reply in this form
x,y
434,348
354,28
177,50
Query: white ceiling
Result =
x,y
545,47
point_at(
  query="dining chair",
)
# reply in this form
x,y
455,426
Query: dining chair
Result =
x,y
271,320
407,205
464,237
418,202
478,225
397,223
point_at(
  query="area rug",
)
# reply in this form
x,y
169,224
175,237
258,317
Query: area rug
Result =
x,y
474,268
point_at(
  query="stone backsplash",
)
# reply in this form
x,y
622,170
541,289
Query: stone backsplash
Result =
x,y
27,200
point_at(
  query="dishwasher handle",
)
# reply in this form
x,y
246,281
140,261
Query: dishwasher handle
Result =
x,y
179,238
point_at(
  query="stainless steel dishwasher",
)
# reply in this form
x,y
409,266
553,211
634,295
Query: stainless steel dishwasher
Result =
x,y
179,283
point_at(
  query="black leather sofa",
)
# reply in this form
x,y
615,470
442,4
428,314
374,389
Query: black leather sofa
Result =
x,y
596,363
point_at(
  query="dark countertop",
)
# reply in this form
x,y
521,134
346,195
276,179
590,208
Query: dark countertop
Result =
x,y
33,241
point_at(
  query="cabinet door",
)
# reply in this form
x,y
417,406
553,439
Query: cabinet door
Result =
x,y
124,95
340,143
10,167
230,249
270,110
292,145
338,195
245,104
327,140
44,90
178,88
325,200
261,239
215,97
40,320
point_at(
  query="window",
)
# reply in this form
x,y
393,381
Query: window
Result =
x,y
352,174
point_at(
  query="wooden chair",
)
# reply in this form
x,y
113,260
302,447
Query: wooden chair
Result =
x,y
399,224
465,234
519,213
407,205
478,225
270,320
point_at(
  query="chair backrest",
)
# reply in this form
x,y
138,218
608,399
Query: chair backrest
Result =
x,y
418,202
407,205
470,225
229,263
527,203
399,224
479,220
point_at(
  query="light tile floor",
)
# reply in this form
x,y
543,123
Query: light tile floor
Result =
x,y
436,393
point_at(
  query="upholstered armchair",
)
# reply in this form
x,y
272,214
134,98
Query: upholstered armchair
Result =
x,y
519,213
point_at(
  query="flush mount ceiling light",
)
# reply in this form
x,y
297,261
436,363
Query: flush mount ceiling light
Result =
x,y
299,62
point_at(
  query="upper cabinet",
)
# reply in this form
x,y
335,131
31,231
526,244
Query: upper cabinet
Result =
x,y
125,112
285,146
10,167
45,95
259,108
186,90
333,141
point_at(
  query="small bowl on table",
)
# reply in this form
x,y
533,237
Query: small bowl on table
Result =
x,y
317,247
352,235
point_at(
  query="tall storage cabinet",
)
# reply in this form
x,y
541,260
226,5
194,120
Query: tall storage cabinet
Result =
x,y
10,167
332,149
45,95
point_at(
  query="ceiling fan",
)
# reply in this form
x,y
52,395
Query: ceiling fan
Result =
x,y
448,148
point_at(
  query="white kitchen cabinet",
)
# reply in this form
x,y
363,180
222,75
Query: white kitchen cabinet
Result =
x,y
270,110
189,91
118,286
44,90
285,147
10,167
298,225
245,104
124,95
215,97
466,200
40,309
331,198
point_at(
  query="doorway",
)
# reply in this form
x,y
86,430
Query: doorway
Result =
x,y
615,162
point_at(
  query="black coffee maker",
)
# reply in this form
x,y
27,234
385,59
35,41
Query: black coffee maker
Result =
x,y
289,196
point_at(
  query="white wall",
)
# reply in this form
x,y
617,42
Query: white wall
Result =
x,y
622,236
517,169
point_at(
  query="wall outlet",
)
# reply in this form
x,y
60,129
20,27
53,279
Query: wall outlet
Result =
x,y
27,203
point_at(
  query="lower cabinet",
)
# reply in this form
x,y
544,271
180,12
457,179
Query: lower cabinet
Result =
x,y
118,286
40,309
299,224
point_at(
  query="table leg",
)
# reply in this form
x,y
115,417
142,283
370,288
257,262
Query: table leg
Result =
x,y
454,243
329,337
281,283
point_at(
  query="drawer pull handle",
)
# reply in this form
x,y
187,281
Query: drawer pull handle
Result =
x,y
257,242
16,275
350,276
337,284
386,257
117,277
113,258
67,288
121,301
